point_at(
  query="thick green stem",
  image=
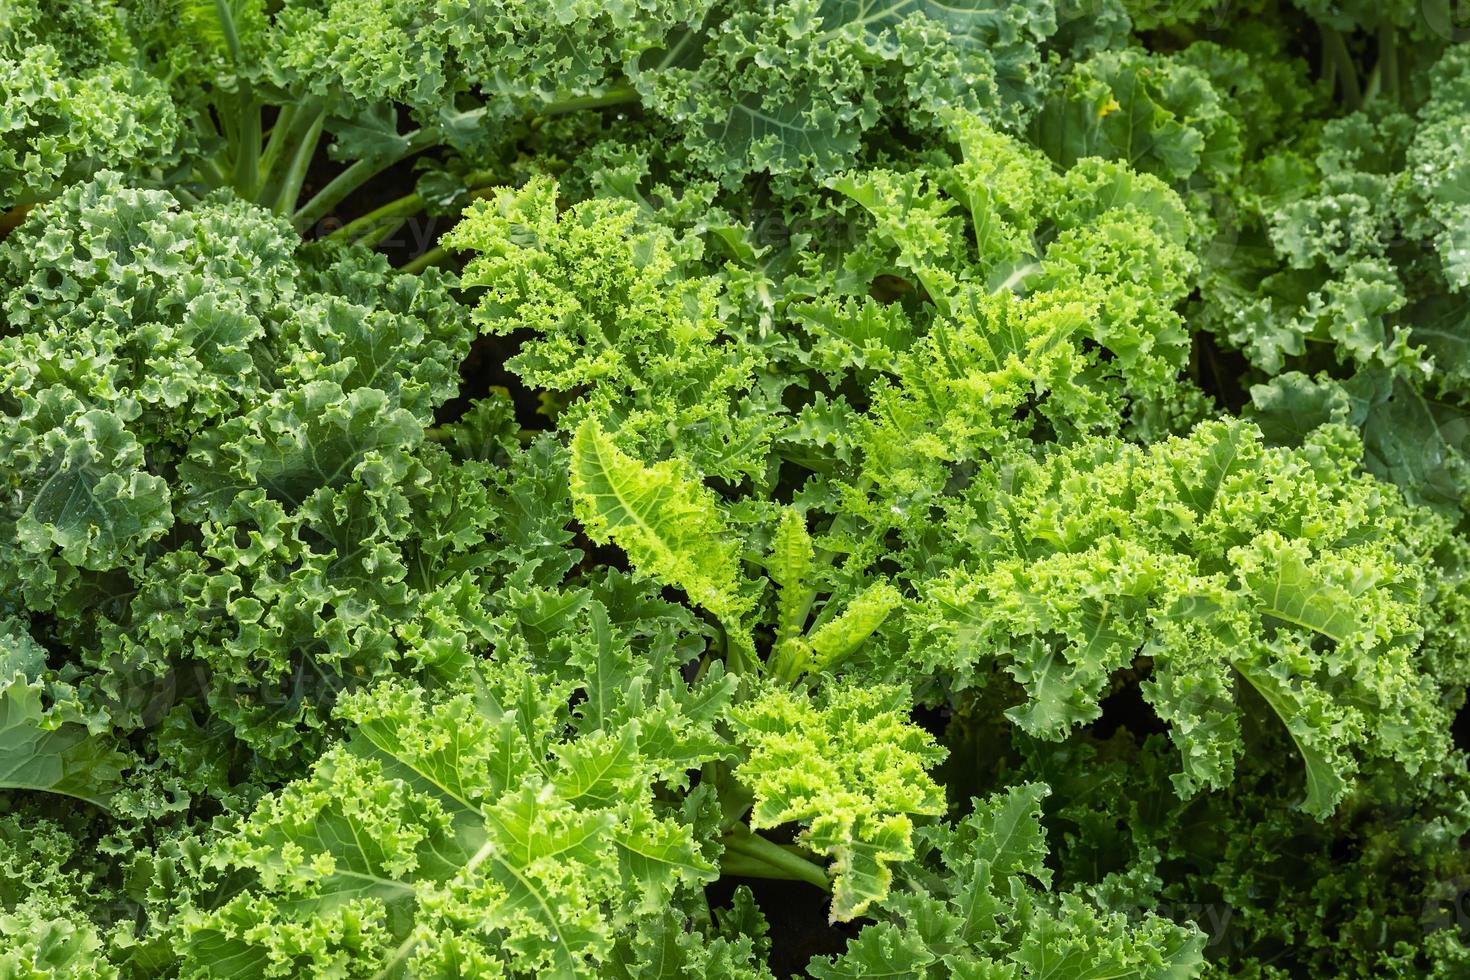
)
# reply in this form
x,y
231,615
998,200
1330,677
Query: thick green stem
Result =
x,y
290,188
380,233
247,149
739,866
229,128
275,145
434,256
245,134
365,226
1335,48
618,95
363,171
738,659
227,28
376,225
755,856
1370,87
212,173
1388,60
339,187
790,660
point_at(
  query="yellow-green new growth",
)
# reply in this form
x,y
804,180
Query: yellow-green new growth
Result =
x,y
851,769
797,652
669,524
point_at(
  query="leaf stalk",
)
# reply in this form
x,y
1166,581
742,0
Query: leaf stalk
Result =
x,y
753,856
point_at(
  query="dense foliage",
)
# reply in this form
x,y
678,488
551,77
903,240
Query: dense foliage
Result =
x,y
733,488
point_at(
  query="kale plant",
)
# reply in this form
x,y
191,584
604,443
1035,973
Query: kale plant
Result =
x,y
840,488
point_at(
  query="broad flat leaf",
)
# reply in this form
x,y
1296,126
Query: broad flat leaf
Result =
x,y
92,500
1277,571
42,750
1413,439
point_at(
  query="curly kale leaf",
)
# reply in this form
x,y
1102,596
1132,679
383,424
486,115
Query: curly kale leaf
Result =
x,y
753,85
851,769
1390,856
1019,272
483,825
1438,171
76,97
1014,317
670,526
1236,571
48,886
616,312
793,87
1159,115
976,902
215,457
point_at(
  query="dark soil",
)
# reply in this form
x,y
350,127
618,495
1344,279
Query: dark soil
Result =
x,y
797,914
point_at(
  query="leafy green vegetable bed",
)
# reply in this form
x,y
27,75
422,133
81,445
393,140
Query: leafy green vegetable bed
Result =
x,y
734,488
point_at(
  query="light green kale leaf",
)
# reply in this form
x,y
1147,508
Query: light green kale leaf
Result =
x,y
48,742
671,950
617,313
975,902
670,525
1018,270
851,769
48,887
1220,567
482,828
